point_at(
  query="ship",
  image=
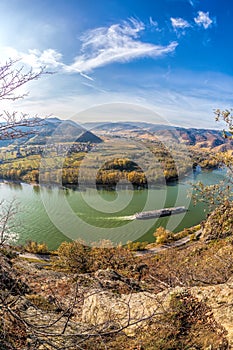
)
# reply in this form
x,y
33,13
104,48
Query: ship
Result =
x,y
159,213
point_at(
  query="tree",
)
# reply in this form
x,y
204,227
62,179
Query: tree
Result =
x,y
219,196
227,118
220,193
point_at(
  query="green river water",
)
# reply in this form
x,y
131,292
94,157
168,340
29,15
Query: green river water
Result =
x,y
52,215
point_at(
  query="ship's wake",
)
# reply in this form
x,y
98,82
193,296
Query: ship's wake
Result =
x,y
119,218
126,218
113,218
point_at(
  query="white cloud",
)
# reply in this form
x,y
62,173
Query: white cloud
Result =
x,y
34,58
203,19
179,23
117,43
51,59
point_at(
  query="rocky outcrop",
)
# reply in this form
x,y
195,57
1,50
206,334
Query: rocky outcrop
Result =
x,y
126,311
219,224
220,299
134,310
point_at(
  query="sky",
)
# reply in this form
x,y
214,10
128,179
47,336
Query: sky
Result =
x,y
173,59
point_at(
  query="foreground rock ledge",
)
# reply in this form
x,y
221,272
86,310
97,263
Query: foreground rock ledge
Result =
x,y
102,307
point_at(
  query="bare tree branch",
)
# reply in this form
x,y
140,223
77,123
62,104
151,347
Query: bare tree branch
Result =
x,y
8,225
16,125
12,78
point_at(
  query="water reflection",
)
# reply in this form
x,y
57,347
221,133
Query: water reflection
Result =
x,y
17,186
36,189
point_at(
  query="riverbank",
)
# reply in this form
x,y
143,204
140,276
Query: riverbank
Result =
x,y
121,186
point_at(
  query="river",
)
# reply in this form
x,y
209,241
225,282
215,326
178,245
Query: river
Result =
x,y
53,215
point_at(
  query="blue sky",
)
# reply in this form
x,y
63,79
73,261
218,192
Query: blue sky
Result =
x,y
174,57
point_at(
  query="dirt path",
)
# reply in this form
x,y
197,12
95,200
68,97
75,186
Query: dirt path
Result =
x,y
175,244
44,257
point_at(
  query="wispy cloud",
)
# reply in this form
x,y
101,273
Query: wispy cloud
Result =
x,y
203,19
193,3
179,23
154,24
94,87
86,76
100,46
117,43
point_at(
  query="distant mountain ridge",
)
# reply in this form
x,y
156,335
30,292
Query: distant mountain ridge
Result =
x,y
202,138
59,130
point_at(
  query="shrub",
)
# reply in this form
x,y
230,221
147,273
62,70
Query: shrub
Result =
x,y
74,256
135,246
163,236
115,258
36,248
